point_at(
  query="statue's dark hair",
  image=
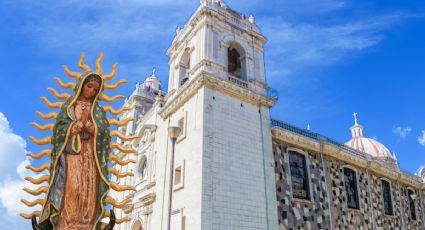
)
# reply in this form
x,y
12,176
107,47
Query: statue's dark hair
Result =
x,y
93,77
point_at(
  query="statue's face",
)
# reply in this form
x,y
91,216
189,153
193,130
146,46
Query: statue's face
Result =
x,y
90,90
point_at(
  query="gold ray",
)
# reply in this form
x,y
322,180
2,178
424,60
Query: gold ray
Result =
x,y
59,96
42,127
33,203
43,141
116,133
119,174
116,112
112,74
106,98
99,63
115,158
115,203
121,188
122,149
36,192
46,116
29,216
124,122
116,85
68,72
81,64
43,167
69,85
44,178
117,221
51,105
45,152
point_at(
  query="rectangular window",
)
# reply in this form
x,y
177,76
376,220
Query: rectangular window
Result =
x,y
182,124
386,193
411,196
178,177
299,176
176,222
350,182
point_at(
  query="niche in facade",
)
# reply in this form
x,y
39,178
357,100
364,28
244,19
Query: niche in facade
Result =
x,y
236,62
184,66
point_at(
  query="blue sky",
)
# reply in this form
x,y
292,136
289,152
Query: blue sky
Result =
x,y
326,58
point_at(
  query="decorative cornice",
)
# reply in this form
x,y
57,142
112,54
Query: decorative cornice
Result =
x,y
212,82
140,131
148,199
128,208
343,155
259,83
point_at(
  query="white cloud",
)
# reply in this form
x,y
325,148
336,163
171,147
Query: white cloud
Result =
x,y
402,131
119,26
421,138
12,168
12,151
138,31
143,30
295,46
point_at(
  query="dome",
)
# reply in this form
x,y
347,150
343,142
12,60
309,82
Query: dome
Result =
x,y
153,82
367,145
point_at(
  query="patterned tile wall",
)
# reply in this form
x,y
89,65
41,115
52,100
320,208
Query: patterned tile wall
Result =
x,y
327,185
342,216
294,213
410,223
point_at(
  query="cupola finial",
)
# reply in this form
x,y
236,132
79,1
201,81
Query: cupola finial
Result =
x,y
356,130
355,118
153,71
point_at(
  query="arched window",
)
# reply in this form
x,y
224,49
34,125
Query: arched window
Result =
x,y
184,66
236,63
351,188
412,197
387,196
300,181
142,170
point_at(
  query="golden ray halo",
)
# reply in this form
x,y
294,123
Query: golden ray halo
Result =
x,y
53,115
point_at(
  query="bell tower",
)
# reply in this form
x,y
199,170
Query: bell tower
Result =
x,y
218,95
222,42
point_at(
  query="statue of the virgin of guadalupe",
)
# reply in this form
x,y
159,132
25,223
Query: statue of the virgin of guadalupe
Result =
x,y
80,151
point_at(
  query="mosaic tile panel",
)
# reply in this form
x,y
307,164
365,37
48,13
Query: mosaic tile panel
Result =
x,y
409,222
383,221
342,216
327,185
298,214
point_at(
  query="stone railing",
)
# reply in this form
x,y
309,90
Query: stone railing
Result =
x,y
238,81
323,139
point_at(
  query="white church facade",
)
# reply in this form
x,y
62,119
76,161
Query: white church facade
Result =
x,y
233,166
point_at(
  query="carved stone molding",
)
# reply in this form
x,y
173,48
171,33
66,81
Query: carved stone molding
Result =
x,y
148,199
216,83
258,83
128,208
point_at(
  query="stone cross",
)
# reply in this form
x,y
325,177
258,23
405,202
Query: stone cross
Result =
x,y
355,118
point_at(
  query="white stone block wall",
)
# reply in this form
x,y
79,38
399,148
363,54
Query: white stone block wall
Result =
x,y
233,174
